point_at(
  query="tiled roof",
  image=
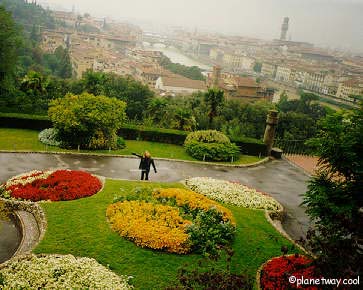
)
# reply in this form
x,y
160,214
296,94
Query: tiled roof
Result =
x,y
181,82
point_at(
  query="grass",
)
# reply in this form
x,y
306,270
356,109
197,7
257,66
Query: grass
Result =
x,y
27,140
80,228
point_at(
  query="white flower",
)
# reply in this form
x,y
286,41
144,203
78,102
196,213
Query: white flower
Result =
x,y
29,177
60,272
232,193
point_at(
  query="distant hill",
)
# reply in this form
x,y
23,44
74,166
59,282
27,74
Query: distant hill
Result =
x,y
29,15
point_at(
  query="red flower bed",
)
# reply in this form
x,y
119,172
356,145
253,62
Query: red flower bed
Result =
x,y
60,185
276,273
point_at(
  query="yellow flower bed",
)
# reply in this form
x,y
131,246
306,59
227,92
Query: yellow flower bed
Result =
x,y
150,225
193,200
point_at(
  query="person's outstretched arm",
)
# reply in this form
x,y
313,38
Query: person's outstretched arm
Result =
x,y
153,164
133,153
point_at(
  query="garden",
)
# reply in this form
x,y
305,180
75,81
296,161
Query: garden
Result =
x,y
142,235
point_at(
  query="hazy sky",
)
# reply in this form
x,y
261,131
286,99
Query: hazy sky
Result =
x,y
338,23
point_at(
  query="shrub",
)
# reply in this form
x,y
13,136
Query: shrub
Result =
x,y
133,132
208,136
120,142
208,232
24,121
87,121
212,151
197,278
210,145
49,137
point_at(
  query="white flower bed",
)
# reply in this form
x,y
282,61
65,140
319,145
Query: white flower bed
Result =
x,y
28,177
49,137
233,193
22,179
59,272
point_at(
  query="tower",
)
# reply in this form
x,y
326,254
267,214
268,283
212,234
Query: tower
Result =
x,y
216,76
284,28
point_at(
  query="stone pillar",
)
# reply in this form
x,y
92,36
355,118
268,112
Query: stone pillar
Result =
x,y
271,123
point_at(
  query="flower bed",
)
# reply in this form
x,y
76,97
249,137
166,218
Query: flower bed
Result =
x,y
276,272
175,220
59,272
51,185
150,225
192,200
49,137
233,193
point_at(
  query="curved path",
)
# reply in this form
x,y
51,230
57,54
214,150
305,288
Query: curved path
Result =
x,y
278,178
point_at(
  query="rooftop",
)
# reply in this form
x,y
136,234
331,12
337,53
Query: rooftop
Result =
x,y
182,82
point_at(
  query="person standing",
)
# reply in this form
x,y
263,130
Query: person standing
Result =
x,y
145,163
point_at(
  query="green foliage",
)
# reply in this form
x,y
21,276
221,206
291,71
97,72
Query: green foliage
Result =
x,y
298,119
334,198
133,132
10,40
210,145
337,103
29,14
191,72
218,279
296,126
207,136
86,120
59,63
120,143
134,93
212,151
208,232
214,98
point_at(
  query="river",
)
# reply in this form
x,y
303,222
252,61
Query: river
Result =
x,y
176,56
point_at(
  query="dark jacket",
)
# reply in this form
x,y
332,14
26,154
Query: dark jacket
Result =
x,y
145,163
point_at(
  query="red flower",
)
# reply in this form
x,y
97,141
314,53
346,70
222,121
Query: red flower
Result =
x,y
275,274
60,185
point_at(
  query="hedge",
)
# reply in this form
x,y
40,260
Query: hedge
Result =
x,y
248,146
251,146
133,132
24,121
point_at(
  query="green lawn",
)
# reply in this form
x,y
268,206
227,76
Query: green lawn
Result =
x,y
80,228
27,140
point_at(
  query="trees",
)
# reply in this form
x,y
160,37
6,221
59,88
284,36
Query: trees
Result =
x,y
135,94
214,98
334,198
87,121
298,118
10,41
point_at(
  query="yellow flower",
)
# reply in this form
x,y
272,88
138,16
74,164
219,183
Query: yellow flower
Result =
x,y
193,200
150,225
